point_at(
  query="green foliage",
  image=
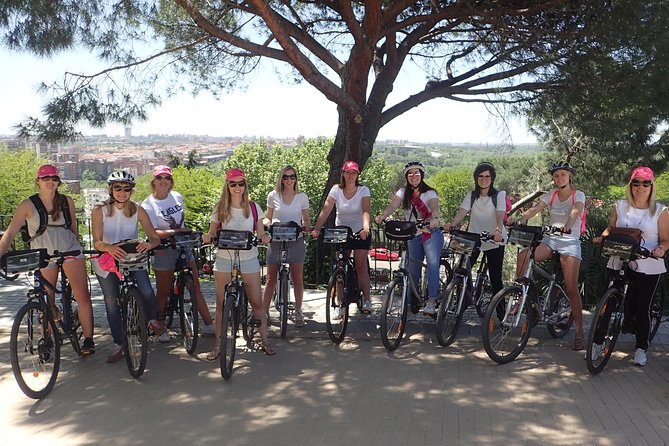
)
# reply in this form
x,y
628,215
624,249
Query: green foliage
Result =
x,y
452,187
17,178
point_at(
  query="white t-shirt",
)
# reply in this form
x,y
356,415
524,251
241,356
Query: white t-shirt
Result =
x,y
284,212
425,197
238,222
349,212
483,216
169,213
560,211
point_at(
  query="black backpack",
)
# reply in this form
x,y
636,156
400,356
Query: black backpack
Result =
x,y
44,219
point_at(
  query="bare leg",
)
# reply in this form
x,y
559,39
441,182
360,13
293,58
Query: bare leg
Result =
x,y
297,274
202,306
252,287
270,286
221,279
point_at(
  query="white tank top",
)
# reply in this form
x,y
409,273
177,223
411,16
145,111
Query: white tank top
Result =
x,y
114,229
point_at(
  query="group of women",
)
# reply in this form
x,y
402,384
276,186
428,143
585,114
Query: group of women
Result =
x,y
162,215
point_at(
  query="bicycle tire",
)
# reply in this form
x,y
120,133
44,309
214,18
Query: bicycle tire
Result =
x,y
35,362
228,338
283,302
505,338
605,327
483,295
76,331
135,333
248,327
392,323
188,315
172,306
451,309
558,303
445,275
336,326
656,313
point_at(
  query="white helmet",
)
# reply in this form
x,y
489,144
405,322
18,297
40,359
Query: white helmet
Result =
x,y
414,165
121,176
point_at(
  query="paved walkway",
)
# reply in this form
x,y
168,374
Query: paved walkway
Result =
x,y
313,392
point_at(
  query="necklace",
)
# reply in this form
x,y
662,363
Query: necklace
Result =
x,y
643,215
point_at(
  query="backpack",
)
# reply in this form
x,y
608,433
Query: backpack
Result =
x,y
494,203
573,201
44,219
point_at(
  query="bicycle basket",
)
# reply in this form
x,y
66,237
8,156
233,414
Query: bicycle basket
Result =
x,y
400,230
464,242
284,232
230,239
338,234
191,240
619,245
524,235
133,262
25,261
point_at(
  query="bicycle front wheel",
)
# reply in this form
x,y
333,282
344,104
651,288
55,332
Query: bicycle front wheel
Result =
x,y
604,330
560,319
135,342
172,304
451,310
336,309
247,319
655,318
34,350
393,315
188,315
283,302
76,332
228,338
483,295
506,326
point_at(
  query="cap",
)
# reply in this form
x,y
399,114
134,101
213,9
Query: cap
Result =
x,y
351,165
643,173
47,170
234,173
162,169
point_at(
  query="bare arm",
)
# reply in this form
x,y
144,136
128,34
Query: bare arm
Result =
x,y
22,213
74,227
663,223
531,212
145,221
323,215
434,209
394,204
457,220
366,220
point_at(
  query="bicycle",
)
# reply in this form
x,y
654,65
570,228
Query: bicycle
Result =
x,y
10,277
609,313
181,299
656,313
397,299
343,286
516,309
458,294
35,339
236,309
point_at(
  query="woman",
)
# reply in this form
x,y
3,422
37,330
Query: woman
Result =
x,y
565,204
233,211
166,210
287,204
57,236
420,202
640,211
353,203
115,220
486,207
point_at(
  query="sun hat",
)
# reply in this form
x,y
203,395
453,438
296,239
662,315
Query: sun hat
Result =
x,y
643,173
234,173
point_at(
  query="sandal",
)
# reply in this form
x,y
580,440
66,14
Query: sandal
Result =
x,y
267,349
578,343
214,354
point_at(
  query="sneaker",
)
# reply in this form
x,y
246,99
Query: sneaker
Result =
x,y
640,358
208,329
299,318
338,313
155,328
164,336
430,309
367,307
597,350
88,347
116,354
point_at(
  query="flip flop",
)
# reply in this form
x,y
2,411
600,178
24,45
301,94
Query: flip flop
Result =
x,y
214,354
267,349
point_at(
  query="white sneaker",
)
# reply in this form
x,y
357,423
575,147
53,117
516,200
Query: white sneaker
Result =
x,y
208,329
299,318
367,307
640,357
597,350
338,313
164,337
430,309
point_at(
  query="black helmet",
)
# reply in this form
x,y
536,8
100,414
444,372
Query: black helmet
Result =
x,y
414,165
482,167
121,176
560,165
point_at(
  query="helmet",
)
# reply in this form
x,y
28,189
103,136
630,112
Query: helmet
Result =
x,y
414,165
121,176
560,165
482,167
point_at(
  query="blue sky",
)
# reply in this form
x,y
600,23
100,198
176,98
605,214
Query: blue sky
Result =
x,y
266,108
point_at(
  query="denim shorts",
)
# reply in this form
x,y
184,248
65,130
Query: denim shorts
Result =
x,y
566,246
295,252
166,259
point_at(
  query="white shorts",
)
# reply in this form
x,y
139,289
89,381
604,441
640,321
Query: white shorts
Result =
x,y
566,246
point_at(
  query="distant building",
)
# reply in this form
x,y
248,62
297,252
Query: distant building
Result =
x,y
128,132
94,197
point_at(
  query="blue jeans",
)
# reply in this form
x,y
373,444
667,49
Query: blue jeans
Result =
x,y
430,250
110,286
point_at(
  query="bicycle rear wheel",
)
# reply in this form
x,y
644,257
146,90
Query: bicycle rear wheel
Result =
x,y
172,303
76,332
34,350
135,341
336,312
656,314
506,326
283,302
560,318
188,315
483,295
393,315
228,337
604,330
248,322
451,309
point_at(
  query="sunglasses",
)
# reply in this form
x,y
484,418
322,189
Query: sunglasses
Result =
x,y
237,183
485,177
50,177
122,188
644,183
290,177
166,177
413,174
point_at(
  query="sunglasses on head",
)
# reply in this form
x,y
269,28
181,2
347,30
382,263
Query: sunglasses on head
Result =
x,y
119,188
237,183
644,183
290,177
50,177
166,177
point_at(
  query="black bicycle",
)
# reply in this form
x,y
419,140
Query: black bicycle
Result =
x,y
35,340
182,300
